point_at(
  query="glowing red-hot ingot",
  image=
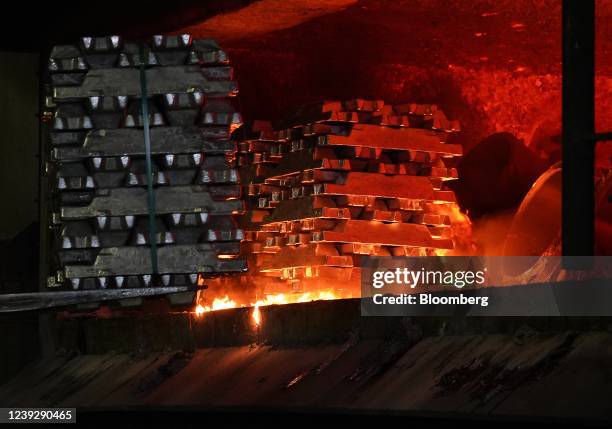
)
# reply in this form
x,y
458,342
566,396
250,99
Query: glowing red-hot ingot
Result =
x,y
355,200
304,238
272,227
339,276
339,116
383,216
362,104
307,255
393,120
335,213
431,219
379,185
416,109
360,248
394,234
445,197
411,251
442,172
416,139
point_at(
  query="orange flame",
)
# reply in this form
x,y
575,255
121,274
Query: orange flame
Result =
x,y
217,304
223,303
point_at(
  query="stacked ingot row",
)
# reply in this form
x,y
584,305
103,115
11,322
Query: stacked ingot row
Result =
x,y
98,168
344,179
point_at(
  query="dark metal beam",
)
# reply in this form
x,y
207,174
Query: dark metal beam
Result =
x,y
10,303
578,226
603,136
56,23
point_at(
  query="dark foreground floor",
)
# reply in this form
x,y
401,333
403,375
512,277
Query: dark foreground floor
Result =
x,y
324,362
240,418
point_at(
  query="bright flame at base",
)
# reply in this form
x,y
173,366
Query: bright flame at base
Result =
x,y
256,315
218,304
199,310
282,298
272,299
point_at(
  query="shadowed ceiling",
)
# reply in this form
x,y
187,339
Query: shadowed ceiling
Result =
x,y
495,65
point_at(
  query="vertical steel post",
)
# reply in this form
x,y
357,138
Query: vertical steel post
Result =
x,y
578,218
147,143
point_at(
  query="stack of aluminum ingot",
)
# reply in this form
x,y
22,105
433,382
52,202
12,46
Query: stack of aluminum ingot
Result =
x,y
98,167
258,153
344,179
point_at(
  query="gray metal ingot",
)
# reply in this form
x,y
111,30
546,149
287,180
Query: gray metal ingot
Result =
x,y
171,50
126,261
66,58
160,80
123,141
133,201
207,52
